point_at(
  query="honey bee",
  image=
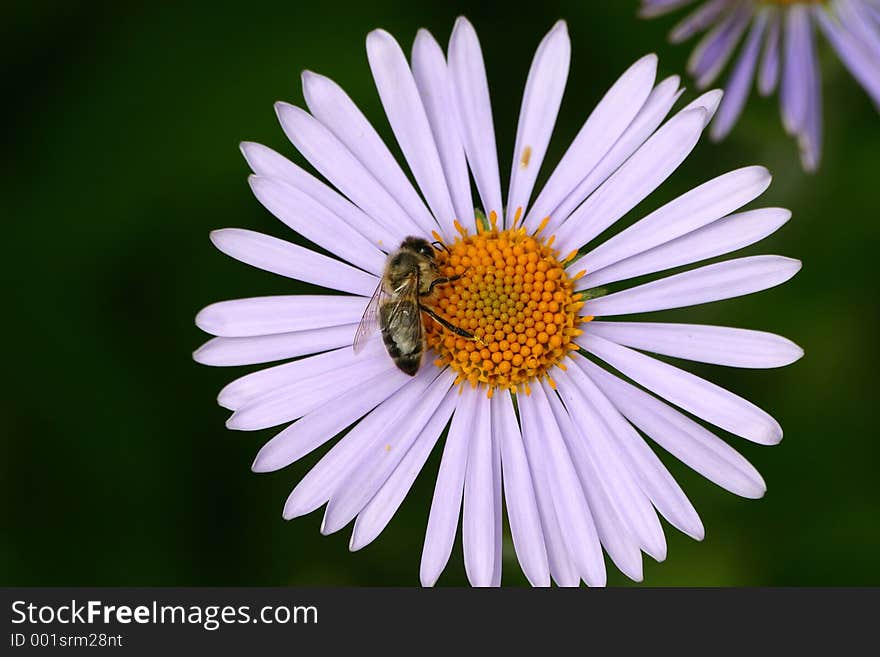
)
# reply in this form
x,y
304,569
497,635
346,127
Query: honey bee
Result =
x,y
411,272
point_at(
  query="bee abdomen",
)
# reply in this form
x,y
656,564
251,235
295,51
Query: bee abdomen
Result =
x,y
403,337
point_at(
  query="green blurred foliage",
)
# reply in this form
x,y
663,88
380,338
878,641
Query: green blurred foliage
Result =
x,y
121,154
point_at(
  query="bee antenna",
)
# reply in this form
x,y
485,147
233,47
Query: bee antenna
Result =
x,y
440,246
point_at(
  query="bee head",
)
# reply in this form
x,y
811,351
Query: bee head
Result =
x,y
418,245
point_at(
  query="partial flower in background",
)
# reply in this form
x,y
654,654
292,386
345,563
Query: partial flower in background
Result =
x,y
549,404
779,47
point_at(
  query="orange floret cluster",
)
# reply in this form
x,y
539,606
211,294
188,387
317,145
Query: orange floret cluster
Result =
x,y
515,297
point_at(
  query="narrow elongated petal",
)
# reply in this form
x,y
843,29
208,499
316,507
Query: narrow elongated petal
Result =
x,y
614,113
448,491
723,280
241,390
406,114
328,474
713,52
740,83
768,73
653,8
319,426
435,88
793,95
719,345
522,507
378,455
338,164
690,211
537,116
700,19
471,91
613,533
334,108
562,567
862,67
724,236
266,163
316,223
643,126
682,437
381,508
305,395
639,176
226,352
582,398
652,476
279,314
547,449
279,257
688,391
478,521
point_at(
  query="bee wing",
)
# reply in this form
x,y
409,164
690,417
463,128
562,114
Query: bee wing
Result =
x,y
403,314
370,320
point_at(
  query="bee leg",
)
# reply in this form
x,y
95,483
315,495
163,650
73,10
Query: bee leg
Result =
x,y
446,324
443,280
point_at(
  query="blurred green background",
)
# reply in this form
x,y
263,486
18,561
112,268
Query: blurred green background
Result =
x,y
121,154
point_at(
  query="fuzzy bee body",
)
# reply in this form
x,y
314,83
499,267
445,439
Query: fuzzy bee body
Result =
x,y
410,273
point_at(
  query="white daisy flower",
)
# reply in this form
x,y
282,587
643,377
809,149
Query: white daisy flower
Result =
x,y
543,399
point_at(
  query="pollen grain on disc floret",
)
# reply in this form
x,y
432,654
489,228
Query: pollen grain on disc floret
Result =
x,y
513,294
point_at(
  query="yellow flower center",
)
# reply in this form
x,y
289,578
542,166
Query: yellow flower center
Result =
x,y
514,295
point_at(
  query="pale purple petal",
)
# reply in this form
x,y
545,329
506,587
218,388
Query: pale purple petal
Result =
x,y
608,121
719,345
653,477
723,280
316,223
329,103
471,91
279,257
362,466
695,395
338,164
227,352
379,510
331,473
864,69
648,119
322,424
266,163
478,533
435,87
740,83
729,234
537,116
793,96
699,20
522,508
653,8
547,450
613,534
715,49
266,380
304,395
768,73
631,183
582,399
406,114
562,568
810,137
690,211
279,314
856,19
708,101
448,491
682,437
